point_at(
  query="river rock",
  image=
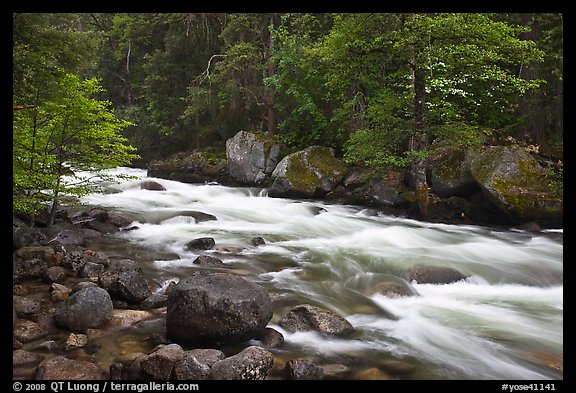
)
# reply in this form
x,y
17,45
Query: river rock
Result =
x,y
22,358
216,308
270,338
151,186
26,331
88,308
251,157
125,281
206,260
26,307
303,369
196,364
61,368
27,236
55,274
252,363
159,364
306,317
434,275
201,243
28,269
45,253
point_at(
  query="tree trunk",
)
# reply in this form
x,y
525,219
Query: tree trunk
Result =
x,y
268,97
419,142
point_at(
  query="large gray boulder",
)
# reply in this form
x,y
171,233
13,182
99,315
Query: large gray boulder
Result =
x,y
309,173
88,308
251,157
216,309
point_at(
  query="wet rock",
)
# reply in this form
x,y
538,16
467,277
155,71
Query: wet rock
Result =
x,y
335,371
302,369
306,317
126,282
159,364
257,241
61,368
55,274
26,307
151,185
252,363
21,358
135,371
270,337
76,237
434,275
126,318
202,243
26,331
75,341
45,253
196,364
92,270
74,261
28,269
155,300
27,236
88,308
216,308
83,285
206,260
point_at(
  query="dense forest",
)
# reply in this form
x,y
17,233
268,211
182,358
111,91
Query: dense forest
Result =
x,y
106,89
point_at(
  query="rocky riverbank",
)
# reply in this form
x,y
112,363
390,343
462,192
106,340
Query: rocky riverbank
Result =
x,y
493,185
72,304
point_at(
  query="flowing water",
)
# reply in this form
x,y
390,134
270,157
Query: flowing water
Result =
x,y
505,321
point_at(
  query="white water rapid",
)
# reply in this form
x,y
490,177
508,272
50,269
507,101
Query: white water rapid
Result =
x,y
505,321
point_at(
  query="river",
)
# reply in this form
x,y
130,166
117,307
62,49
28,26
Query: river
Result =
x,y
505,321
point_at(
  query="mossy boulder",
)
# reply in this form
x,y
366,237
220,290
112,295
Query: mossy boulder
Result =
x,y
309,173
450,175
515,183
190,167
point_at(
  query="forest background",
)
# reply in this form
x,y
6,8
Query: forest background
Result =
x,y
379,88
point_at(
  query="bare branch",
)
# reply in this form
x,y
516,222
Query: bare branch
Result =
x,y
206,74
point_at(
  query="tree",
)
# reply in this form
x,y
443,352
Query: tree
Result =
x,y
71,132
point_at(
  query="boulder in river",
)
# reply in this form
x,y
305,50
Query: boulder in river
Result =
x,y
216,309
251,157
306,317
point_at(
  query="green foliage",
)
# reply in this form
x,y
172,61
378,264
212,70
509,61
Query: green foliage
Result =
x,y
341,80
70,132
555,177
